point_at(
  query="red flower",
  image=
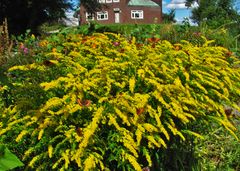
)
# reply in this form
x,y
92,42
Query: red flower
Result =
x,y
79,132
229,53
177,47
85,103
153,40
116,43
140,111
139,45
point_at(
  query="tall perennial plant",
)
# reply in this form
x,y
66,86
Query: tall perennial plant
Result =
x,y
104,102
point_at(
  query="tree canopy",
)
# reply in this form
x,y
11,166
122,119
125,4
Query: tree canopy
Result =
x,y
189,3
170,16
214,12
29,14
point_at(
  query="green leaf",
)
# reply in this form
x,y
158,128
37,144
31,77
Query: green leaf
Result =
x,y
59,48
8,160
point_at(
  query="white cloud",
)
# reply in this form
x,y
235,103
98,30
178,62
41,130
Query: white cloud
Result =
x,y
176,4
70,20
195,5
179,4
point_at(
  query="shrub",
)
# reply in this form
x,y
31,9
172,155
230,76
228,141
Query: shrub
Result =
x,y
106,102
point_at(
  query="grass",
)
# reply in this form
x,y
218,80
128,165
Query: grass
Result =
x,y
219,150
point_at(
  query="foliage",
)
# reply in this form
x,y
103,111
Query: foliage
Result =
x,y
109,102
8,160
226,35
17,12
169,17
189,3
48,28
215,13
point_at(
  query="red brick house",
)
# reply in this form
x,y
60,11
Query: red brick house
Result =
x,y
125,11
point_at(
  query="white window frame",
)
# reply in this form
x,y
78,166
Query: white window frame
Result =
x,y
108,1
104,14
116,0
101,1
89,15
134,14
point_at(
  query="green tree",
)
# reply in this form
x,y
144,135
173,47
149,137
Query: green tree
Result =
x,y
169,17
189,3
29,14
215,12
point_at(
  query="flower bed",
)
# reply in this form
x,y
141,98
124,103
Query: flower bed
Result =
x,y
107,102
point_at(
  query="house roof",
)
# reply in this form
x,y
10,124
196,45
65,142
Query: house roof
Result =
x,y
142,3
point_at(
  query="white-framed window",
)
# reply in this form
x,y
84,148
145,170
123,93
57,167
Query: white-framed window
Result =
x,y
101,1
137,14
116,0
89,16
102,15
108,1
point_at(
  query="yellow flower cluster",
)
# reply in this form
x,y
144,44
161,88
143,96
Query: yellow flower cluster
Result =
x,y
43,43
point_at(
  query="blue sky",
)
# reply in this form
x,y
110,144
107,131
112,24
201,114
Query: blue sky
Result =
x,y
180,10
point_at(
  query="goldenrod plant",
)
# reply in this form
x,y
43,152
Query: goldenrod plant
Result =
x,y
104,102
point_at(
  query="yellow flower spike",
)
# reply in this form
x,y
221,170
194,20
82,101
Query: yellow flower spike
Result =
x,y
161,141
149,127
132,84
139,134
130,147
89,163
21,135
33,161
147,155
40,134
28,152
65,156
152,140
165,133
123,116
50,151
193,133
132,160
55,165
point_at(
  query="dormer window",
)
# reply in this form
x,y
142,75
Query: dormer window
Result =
x,y
108,1
101,1
116,0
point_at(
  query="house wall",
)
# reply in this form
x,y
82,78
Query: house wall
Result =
x,y
151,14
